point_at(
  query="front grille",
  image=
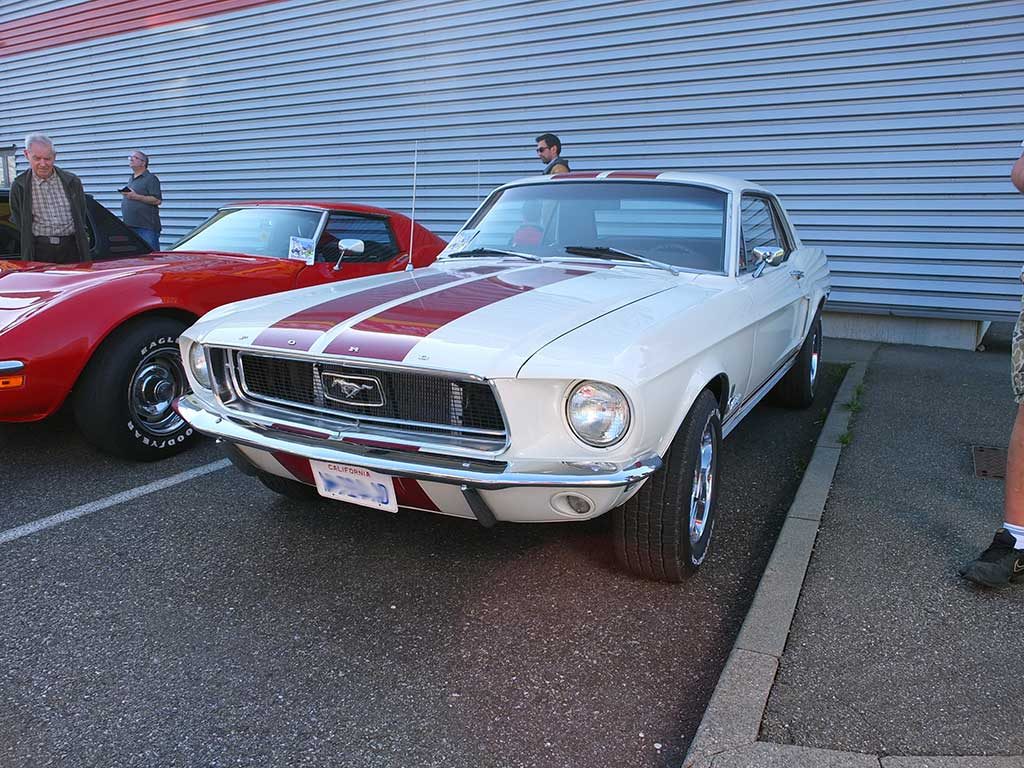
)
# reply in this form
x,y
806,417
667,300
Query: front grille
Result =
x,y
406,400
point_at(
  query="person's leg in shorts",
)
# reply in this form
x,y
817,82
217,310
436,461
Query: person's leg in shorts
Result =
x,y
1003,561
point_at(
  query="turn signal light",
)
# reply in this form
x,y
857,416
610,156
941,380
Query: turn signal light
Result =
x,y
12,382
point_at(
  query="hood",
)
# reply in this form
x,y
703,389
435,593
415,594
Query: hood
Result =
x,y
27,287
477,316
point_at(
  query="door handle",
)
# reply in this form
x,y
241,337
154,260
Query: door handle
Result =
x,y
797,273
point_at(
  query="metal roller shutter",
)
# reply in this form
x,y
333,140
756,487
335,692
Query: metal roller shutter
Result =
x,y
887,127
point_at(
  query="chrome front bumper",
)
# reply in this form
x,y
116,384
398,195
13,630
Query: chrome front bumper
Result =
x,y
482,475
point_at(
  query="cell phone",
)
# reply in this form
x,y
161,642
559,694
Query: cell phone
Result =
x,y
125,188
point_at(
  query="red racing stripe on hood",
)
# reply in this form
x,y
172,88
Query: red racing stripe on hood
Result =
x,y
390,334
302,329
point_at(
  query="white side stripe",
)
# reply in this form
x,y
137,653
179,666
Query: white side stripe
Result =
x,y
110,501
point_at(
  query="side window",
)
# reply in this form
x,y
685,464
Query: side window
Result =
x,y
760,230
120,241
379,242
7,168
10,242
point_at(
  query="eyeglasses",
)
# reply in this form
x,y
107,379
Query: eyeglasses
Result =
x,y
542,149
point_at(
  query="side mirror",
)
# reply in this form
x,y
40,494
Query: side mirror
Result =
x,y
769,257
765,258
354,247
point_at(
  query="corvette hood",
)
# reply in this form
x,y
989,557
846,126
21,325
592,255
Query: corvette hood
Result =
x,y
482,316
28,287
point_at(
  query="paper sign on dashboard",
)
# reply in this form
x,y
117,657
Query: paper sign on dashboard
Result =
x,y
301,249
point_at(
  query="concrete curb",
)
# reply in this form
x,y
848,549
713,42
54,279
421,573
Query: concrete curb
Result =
x,y
728,733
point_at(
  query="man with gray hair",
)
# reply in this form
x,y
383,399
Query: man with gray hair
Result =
x,y
48,207
140,205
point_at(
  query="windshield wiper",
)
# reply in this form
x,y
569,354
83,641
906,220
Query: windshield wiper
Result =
x,y
498,251
604,252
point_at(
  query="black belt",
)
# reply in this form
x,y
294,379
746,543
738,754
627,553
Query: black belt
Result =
x,y
53,239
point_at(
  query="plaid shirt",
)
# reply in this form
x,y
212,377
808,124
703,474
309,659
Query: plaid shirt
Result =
x,y
51,211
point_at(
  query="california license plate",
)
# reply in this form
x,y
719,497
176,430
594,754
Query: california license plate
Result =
x,y
354,485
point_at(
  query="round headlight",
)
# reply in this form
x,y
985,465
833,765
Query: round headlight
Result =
x,y
598,413
197,363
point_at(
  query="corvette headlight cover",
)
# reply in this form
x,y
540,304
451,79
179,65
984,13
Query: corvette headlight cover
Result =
x,y
598,413
197,364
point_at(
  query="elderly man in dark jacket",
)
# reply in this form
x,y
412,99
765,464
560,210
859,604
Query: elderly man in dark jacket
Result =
x,y
48,207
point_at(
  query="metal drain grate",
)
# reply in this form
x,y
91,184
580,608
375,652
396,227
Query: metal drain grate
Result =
x,y
989,462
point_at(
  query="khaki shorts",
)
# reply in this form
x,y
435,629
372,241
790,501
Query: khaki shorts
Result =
x,y
1017,359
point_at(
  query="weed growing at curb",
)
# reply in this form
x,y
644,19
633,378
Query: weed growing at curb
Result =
x,y
855,405
846,438
837,371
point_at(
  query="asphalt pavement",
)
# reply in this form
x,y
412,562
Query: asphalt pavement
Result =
x,y
880,655
167,618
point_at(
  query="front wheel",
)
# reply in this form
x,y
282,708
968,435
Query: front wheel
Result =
x,y
122,401
664,530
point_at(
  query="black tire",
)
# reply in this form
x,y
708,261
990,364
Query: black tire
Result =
x,y
663,532
293,489
797,388
122,401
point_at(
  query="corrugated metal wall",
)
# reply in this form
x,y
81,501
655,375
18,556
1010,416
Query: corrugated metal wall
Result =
x,y
888,127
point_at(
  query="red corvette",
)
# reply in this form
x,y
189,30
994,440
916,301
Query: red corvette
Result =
x,y
104,333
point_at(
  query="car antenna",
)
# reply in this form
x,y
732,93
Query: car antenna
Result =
x,y
412,218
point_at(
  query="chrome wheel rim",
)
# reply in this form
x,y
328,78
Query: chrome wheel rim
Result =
x,y
703,483
158,379
815,356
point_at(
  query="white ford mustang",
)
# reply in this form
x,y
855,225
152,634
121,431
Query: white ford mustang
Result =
x,y
582,345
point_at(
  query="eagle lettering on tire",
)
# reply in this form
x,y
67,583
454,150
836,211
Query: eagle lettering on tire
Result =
x,y
132,380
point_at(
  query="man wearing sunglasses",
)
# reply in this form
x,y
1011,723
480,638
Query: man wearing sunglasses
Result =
x,y
549,149
140,204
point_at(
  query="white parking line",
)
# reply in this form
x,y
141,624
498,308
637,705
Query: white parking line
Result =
x,y
118,498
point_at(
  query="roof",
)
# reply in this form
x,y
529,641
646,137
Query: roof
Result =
x,y
730,183
323,205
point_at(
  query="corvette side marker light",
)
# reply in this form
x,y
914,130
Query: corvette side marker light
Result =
x,y
12,382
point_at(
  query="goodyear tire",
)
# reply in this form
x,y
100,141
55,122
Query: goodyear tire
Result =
x,y
797,388
122,401
663,532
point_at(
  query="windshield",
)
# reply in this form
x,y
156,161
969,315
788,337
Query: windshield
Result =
x,y
677,224
270,232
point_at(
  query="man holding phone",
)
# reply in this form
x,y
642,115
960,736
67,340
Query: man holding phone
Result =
x,y
141,199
